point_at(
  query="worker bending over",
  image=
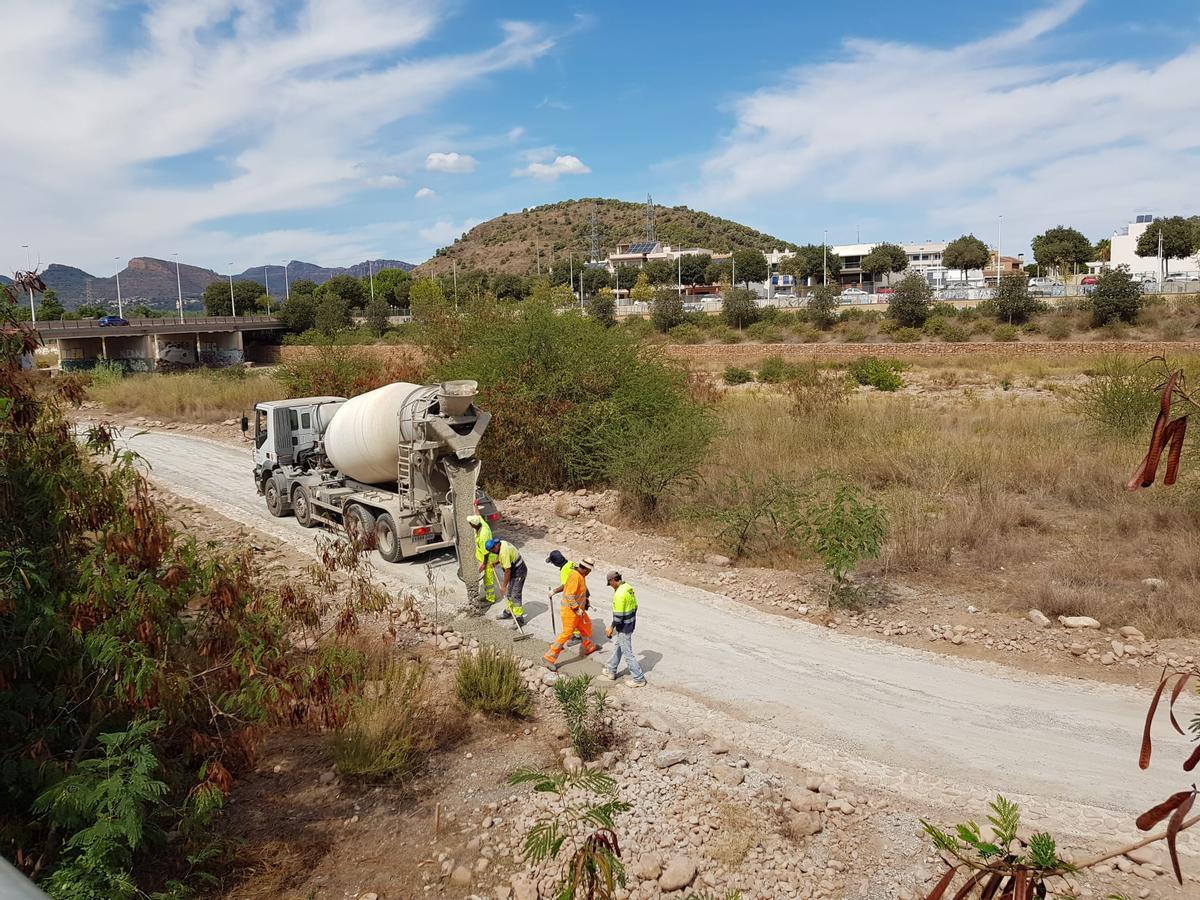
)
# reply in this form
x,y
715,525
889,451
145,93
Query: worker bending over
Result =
x,y
483,534
515,571
624,620
574,614
565,567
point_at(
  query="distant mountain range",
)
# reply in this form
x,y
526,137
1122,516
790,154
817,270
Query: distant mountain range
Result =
x,y
152,281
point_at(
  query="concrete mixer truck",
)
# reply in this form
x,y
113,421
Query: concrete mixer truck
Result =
x,y
397,463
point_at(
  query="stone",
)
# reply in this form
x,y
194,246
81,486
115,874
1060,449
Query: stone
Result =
x,y
1107,659
370,895
730,776
679,873
1038,618
1078,622
647,867
1118,649
655,722
716,559
1078,649
1132,634
461,876
523,887
328,777
803,824
1155,584
718,747
572,764
667,758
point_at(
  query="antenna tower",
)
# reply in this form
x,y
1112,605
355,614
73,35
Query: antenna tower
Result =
x,y
595,257
87,291
650,233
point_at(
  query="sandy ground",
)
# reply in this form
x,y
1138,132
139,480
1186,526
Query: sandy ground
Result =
x,y
916,724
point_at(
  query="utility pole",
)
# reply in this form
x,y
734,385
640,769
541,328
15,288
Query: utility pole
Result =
x,y
1161,276
120,305
287,289
454,269
267,285
232,302
999,220
571,273
371,278
679,272
825,258
179,286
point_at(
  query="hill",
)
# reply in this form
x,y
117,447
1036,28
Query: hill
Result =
x,y
507,243
150,280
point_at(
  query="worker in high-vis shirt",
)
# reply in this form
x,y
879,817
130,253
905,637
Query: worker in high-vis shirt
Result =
x,y
624,620
483,534
565,567
515,572
574,614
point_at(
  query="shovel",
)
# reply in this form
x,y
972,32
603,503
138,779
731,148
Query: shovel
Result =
x,y
522,634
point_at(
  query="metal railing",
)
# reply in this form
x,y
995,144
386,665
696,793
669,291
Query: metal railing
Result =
x,y
160,322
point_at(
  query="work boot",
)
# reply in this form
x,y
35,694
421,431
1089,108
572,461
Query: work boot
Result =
x,y
521,621
506,614
552,666
575,639
638,684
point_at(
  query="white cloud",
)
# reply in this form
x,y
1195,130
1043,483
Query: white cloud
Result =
x,y
209,110
442,232
425,194
515,133
562,165
457,163
385,181
950,138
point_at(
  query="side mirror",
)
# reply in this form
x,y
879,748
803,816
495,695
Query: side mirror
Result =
x,y
245,424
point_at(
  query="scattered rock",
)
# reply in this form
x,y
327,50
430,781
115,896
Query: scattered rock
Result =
x,y
1107,659
728,775
716,559
1038,618
1078,622
523,887
647,867
461,876
803,824
1132,634
1078,649
667,758
679,873
328,777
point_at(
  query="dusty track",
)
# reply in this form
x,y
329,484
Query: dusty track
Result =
x,y
940,732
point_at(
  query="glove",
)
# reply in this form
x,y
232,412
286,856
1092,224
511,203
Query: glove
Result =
x,y
550,592
608,631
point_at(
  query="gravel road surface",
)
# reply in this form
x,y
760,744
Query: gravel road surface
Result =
x,y
913,722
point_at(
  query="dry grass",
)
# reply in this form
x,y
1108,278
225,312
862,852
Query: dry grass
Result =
x,y
1015,498
197,397
740,830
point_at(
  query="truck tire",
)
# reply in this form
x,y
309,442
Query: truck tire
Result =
x,y
360,524
387,538
302,506
276,505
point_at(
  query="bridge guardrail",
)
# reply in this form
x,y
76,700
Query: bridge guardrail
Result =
x,y
76,324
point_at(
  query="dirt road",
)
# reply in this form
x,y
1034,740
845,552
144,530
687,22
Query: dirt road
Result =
x,y
920,725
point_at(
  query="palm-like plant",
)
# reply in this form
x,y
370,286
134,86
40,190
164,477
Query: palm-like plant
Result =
x,y
581,830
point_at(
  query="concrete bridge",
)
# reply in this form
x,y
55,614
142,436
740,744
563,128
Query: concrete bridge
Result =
x,y
145,345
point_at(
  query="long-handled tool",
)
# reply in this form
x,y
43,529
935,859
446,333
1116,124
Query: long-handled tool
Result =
x,y
522,634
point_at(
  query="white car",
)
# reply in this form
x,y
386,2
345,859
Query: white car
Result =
x,y
853,295
1182,277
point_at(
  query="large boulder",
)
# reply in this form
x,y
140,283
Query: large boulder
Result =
x,y
679,873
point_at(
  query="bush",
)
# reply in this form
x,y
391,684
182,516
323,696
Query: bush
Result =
x,y
910,303
881,374
953,333
1004,333
806,334
854,335
1117,298
748,513
491,681
1058,329
739,308
935,326
906,335
737,375
944,310
686,334
773,370
815,392
668,310
584,714
844,529
1014,304
822,305
729,336
341,372
1120,397
764,333
388,733
602,308
106,372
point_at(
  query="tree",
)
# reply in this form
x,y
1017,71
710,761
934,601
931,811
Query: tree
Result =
x,y
750,265
626,276
377,315
668,310
739,308
693,268
508,286
246,294
91,310
1117,298
299,313
49,306
1062,248
822,305
142,311
966,253
909,306
393,285
660,271
1013,301
346,288
594,279
1102,252
1179,239
332,316
641,292
717,272
303,286
428,302
884,259
812,261
602,308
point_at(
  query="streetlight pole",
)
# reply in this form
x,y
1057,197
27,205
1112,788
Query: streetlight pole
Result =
x,y
825,258
267,286
999,219
287,289
232,303
120,305
178,287
32,310
371,278
454,270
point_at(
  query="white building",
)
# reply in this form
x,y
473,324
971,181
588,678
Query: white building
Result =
x,y
1123,252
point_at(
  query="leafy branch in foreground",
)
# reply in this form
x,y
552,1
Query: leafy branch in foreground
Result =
x,y
584,823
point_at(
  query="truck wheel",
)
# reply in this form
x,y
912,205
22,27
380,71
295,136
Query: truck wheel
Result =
x,y
302,506
387,538
360,525
274,497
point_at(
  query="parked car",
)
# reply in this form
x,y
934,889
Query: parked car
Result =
x,y
1089,279
1182,277
885,290
853,295
111,320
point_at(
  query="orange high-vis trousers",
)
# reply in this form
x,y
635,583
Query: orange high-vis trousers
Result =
x,y
572,620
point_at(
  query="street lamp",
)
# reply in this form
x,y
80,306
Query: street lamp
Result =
x,y
178,286
287,290
371,278
232,304
32,311
999,219
117,268
267,286
825,258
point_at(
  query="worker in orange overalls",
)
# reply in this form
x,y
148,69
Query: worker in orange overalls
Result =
x,y
574,614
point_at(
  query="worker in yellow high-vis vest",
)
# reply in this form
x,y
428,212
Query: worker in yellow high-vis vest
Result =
x,y
624,620
515,572
483,534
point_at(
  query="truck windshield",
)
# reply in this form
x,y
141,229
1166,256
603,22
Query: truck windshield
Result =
x,y
260,427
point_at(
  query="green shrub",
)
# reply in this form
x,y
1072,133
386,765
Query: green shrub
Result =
x,y
887,326
728,335
737,375
585,714
844,529
344,372
806,334
935,326
954,333
1120,397
387,734
686,334
106,372
981,326
1058,328
881,374
748,512
773,370
906,335
1004,333
1117,297
944,310
765,333
816,392
854,335
491,681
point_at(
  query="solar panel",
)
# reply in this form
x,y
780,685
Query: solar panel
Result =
x,y
643,247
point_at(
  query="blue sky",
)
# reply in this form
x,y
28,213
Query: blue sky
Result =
x,y
247,131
